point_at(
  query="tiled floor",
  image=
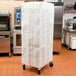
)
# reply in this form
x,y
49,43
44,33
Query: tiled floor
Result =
x,y
64,65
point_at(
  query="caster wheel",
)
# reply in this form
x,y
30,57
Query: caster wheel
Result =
x,y
23,67
69,49
9,54
51,64
14,54
55,53
39,72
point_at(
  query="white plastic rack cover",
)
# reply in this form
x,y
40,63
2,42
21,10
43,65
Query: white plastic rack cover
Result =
x,y
37,33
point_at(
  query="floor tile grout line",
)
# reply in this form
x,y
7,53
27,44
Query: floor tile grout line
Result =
x,y
7,67
0,72
13,68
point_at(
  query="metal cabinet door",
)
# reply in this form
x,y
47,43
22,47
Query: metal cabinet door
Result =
x,y
58,21
58,14
4,45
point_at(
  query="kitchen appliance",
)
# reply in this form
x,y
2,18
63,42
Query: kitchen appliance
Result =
x,y
5,32
17,31
69,32
58,6
58,20
68,17
4,21
17,18
17,42
69,38
5,42
73,41
71,24
37,34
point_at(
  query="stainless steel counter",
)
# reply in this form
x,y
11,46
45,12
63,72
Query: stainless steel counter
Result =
x,y
67,36
70,11
69,30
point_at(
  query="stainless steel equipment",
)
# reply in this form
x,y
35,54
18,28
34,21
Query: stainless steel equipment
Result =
x,y
58,17
71,24
68,17
5,42
17,42
4,21
17,32
5,32
17,17
58,24
69,38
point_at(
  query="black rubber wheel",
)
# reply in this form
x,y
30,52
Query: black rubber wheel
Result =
x,y
51,64
69,48
39,72
23,67
14,54
56,53
9,54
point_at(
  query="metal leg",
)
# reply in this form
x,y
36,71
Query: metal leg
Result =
x,y
9,54
23,67
68,48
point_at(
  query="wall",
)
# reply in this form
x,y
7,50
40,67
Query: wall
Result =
x,y
69,1
9,6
